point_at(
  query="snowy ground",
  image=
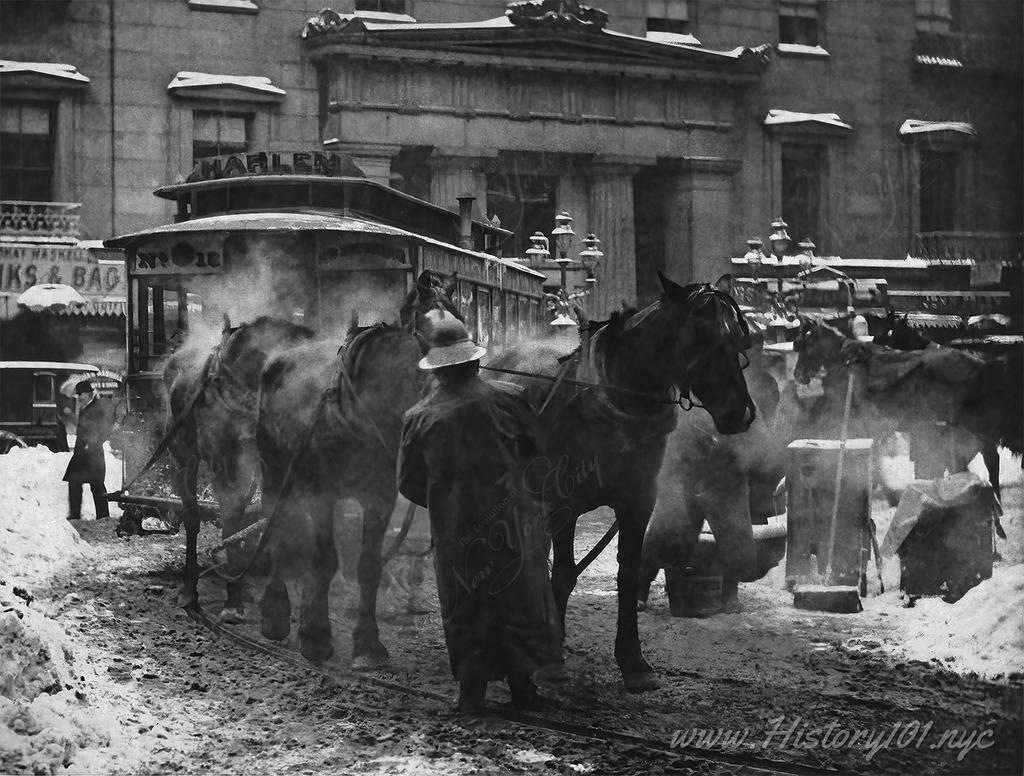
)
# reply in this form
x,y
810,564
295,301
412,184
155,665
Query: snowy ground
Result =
x,y
101,673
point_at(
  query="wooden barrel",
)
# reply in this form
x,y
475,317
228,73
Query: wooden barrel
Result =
x,y
692,592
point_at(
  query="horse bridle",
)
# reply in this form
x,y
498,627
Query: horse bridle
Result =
x,y
709,293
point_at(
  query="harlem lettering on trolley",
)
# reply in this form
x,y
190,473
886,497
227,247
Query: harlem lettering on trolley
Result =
x,y
262,163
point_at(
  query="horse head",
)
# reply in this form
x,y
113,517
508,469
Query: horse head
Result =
x,y
818,347
431,291
709,341
246,347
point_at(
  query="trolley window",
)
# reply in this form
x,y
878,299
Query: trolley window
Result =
x,y
15,396
525,330
498,333
44,406
483,317
43,388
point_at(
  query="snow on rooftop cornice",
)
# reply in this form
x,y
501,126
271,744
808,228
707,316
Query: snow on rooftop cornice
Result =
x,y
672,38
779,117
917,127
803,50
328,21
51,69
928,59
253,83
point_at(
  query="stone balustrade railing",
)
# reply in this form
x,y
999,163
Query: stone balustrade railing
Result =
x,y
980,247
39,219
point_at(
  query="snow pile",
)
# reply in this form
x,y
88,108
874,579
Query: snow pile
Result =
x,y
58,712
42,716
982,632
34,532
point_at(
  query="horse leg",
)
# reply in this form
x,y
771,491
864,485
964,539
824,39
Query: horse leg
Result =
x,y
367,650
275,607
563,570
184,471
232,491
648,573
315,623
637,675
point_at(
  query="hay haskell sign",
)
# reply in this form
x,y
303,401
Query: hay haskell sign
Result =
x,y
24,266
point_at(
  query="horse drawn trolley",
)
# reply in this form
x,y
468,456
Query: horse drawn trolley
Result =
x,y
303,237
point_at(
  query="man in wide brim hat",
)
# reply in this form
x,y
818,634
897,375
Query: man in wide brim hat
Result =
x,y
465,455
450,344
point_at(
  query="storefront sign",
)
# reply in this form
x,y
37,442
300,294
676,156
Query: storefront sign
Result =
x,y
179,258
280,163
22,266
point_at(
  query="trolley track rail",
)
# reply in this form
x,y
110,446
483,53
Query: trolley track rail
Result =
x,y
688,756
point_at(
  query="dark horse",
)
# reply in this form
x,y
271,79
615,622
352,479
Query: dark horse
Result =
x,y
914,390
330,425
1004,372
604,444
221,429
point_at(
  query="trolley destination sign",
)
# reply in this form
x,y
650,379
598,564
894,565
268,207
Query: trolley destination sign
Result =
x,y
326,163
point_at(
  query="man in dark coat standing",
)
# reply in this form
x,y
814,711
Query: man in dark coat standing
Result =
x,y
465,455
87,462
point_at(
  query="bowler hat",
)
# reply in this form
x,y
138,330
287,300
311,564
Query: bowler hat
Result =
x,y
83,387
449,342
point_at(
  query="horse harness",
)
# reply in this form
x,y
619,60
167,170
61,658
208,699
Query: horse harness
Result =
x,y
218,376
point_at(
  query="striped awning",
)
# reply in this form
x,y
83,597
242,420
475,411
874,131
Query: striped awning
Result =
x,y
934,321
104,306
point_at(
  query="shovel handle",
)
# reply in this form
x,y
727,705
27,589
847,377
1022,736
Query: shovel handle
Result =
x,y
844,431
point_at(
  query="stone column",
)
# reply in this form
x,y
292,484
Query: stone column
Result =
x,y
452,175
611,219
703,225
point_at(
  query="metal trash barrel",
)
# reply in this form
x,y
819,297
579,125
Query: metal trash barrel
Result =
x,y
693,592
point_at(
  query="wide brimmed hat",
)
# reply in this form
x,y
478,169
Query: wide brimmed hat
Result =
x,y
449,342
83,387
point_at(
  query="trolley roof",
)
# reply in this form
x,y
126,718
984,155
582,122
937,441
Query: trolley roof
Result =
x,y
301,221
64,366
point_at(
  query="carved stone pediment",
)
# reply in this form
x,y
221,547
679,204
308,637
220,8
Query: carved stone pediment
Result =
x,y
556,13
329,20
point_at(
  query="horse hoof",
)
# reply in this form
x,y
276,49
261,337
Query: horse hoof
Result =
x,y
641,606
188,599
371,662
232,615
275,630
316,650
641,681
552,674
732,606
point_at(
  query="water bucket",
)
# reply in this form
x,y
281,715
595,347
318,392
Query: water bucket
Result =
x,y
693,592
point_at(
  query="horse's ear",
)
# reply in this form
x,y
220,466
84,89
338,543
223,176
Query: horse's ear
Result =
x,y
425,280
227,324
452,285
670,287
724,283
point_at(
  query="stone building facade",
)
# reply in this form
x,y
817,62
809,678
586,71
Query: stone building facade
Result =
x,y
673,129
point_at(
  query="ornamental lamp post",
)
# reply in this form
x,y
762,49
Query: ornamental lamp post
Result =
x,y
591,257
806,255
754,257
538,253
779,242
563,236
